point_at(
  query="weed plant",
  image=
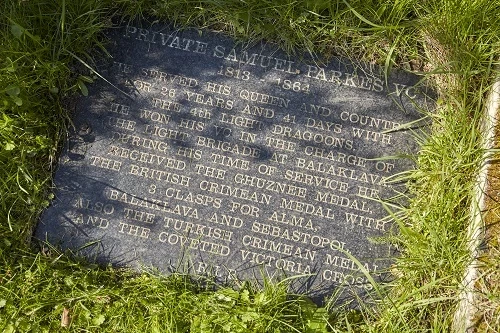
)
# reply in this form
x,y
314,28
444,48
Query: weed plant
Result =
x,y
453,43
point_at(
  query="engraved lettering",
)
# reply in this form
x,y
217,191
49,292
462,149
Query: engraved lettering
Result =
x,y
270,185
191,229
105,163
95,221
258,111
254,59
120,109
365,221
210,172
194,243
254,96
228,220
241,121
138,141
139,215
99,207
197,198
209,100
150,173
167,133
166,105
190,153
280,144
317,138
337,200
335,156
155,116
225,146
235,192
378,123
133,230
244,209
230,162
125,124
307,208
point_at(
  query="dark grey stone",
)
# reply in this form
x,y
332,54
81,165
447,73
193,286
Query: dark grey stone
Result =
x,y
234,161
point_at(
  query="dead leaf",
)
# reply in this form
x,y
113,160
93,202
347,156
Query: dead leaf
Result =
x,y
65,318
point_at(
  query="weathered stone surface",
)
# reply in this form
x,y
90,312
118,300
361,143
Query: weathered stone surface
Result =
x,y
230,161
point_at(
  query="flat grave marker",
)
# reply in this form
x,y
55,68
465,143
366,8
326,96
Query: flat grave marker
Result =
x,y
234,161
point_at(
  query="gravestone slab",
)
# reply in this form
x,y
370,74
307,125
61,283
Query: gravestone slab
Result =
x,y
234,161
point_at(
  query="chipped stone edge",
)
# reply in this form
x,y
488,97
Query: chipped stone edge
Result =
x,y
467,308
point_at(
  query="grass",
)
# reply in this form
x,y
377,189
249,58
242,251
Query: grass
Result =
x,y
108,300
454,43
